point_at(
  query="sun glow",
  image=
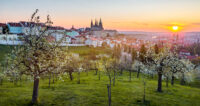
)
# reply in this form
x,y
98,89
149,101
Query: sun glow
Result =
x,y
175,28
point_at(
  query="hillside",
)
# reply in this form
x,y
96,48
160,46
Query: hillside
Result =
x,y
93,92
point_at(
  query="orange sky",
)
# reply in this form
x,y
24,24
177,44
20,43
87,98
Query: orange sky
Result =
x,y
126,15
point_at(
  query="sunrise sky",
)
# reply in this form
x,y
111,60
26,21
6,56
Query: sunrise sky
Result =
x,y
123,15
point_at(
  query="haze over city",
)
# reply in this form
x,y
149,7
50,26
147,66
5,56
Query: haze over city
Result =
x,y
122,15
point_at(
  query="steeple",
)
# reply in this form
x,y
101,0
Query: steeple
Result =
x,y
91,24
73,28
100,24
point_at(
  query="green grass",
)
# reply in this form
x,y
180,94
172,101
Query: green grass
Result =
x,y
82,50
93,92
86,50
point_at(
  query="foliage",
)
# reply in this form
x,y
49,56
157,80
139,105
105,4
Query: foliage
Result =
x,y
37,56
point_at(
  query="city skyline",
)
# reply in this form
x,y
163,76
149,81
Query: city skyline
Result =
x,y
126,15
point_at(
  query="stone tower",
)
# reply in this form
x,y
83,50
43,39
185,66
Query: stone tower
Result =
x,y
91,24
100,24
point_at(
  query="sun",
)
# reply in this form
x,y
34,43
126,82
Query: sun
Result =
x,y
175,28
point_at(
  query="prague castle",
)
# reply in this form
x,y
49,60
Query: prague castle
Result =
x,y
98,26
97,29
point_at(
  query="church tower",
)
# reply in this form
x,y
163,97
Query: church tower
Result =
x,y
100,24
97,26
91,24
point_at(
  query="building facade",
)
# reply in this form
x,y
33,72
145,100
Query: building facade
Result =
x,y
97,26
14,28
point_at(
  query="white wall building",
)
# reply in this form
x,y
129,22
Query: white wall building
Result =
x,y
10,39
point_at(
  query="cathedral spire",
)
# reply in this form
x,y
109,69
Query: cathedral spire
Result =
x,y
91,24
100,23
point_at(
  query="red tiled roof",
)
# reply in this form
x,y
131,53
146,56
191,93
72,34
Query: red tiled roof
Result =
x,y
185,51
2,24
68,36
73,38
27,24
56,28
68,30
83,32
81,35
15,24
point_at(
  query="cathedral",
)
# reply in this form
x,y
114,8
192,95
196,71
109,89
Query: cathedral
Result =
x,y
97,26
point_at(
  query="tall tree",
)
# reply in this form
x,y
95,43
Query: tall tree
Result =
x,y
37,55
142,54
116,54
155,57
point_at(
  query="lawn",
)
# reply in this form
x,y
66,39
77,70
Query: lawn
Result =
x,y
82,50
93,92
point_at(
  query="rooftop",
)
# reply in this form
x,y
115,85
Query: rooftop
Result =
x,y
2,24
12,24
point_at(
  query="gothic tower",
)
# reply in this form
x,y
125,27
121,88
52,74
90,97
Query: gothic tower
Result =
x,y
97,26
100,24
91,24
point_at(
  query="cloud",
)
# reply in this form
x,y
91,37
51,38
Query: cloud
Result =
x,y
196,23
130,22
169,25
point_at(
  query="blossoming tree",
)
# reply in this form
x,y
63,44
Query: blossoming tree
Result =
x,y
38,56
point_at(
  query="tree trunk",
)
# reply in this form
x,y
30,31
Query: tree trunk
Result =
x,y
49,80
152,75
110,79
121,72
144,96
20,79
172,81
15,81
78,78
138,73
96,71
35,90
87,72
53,78
70,75
167,80
114,78
109,94
110,90
99,75
1,81
159,82
183,79
56,77
129,75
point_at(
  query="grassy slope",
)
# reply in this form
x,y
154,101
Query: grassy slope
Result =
x,y
92,92
83,51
